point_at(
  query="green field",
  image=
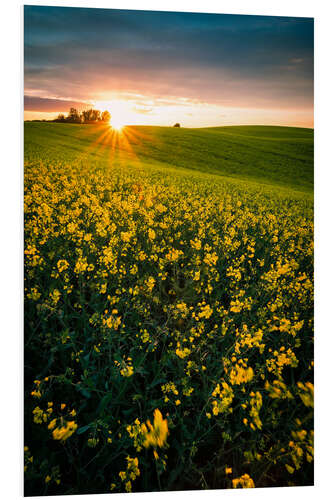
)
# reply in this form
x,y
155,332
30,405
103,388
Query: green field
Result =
x,y
275,155
169,278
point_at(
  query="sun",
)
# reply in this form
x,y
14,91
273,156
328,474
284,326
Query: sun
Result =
x,y
117,124
121,112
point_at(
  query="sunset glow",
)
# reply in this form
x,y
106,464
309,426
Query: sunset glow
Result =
x,y
117,126
119,111
240,70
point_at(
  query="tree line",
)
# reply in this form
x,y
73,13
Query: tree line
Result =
x,y
87,116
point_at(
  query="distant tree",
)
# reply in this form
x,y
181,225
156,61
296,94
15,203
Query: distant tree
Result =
x,y
60,118
91,115
96,115
177,125
73,116
86,115
106,116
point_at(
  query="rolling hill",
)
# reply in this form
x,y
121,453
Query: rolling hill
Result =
x,y
281,156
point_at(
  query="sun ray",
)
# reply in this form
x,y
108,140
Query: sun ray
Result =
x,y
98,144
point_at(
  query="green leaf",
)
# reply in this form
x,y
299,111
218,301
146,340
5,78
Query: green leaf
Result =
x,y
84,392
83,429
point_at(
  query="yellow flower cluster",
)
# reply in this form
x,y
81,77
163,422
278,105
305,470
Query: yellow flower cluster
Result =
x,y
131,473
225,394
167,389
155,434
137,282
306,393
240,375
63,432
278,390
245,481
150,434
126,367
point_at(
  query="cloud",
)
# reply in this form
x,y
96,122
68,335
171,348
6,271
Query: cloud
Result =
x,y
79,53
296,60
32,103
142,110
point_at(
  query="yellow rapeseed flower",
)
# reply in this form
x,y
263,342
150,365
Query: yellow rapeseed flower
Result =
x,y
157,433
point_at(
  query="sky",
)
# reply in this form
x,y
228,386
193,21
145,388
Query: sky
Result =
x,y
158,68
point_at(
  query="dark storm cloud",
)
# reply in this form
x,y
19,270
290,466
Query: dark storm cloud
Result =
x,y
228,59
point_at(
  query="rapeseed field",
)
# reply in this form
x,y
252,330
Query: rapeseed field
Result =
x,y
168,320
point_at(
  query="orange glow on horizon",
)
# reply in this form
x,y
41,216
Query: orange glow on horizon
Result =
x,y
120,111
117,125
140,110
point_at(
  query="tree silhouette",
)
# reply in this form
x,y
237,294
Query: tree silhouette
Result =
x,y
106,116
61,118
87,116
73,116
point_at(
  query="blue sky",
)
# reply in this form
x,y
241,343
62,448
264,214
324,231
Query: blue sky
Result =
x,y
158,61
